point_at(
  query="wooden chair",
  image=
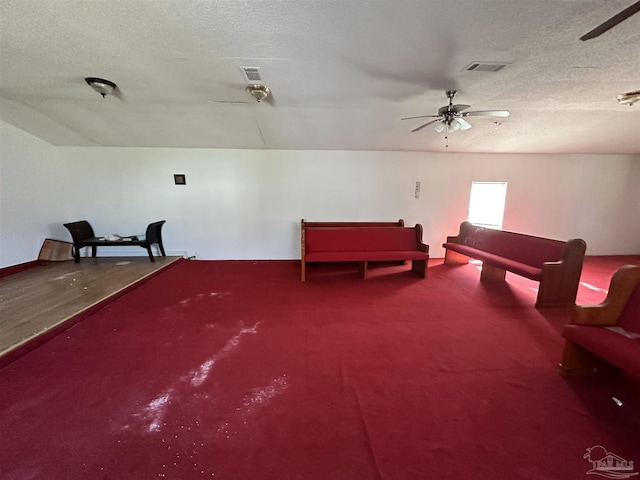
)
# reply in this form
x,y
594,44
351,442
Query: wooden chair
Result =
x,y
83,236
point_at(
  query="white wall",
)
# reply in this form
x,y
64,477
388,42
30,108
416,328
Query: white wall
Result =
x,y
247,204
33,200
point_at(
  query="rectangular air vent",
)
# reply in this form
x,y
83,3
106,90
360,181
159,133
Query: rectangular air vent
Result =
x,y
252,74
484,67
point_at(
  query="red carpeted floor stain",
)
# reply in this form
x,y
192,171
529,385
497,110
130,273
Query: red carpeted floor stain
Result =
x,y
237,370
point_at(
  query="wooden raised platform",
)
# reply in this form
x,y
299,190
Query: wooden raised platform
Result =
x,y
38,303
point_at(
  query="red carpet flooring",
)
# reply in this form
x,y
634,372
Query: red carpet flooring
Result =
x,y
237,370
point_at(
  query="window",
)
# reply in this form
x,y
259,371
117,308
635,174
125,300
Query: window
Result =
x,y
486,204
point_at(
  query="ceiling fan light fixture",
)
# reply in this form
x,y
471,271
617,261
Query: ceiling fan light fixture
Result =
x,y
440,126
628,98
100,85
259,92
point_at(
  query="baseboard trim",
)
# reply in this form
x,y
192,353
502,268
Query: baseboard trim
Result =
x,y
13,269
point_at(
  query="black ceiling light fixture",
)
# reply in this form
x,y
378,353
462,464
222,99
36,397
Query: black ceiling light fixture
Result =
x,y
100,85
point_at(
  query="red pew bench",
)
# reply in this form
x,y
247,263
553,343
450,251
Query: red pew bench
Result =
x,y
607,331
557,265
363,244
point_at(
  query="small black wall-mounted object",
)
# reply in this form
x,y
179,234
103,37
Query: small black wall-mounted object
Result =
x,y
180,179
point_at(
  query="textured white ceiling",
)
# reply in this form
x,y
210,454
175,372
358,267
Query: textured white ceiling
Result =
x,y
342,72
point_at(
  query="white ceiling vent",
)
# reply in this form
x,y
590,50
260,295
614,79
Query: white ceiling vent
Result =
x,y
252,74
484,67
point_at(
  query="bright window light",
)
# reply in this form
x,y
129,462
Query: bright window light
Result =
x,y
486,204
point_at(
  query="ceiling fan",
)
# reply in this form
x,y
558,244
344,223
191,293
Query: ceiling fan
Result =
x,y
452,116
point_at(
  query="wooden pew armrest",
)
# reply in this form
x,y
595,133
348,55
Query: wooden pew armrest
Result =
x,y
595,315
623,283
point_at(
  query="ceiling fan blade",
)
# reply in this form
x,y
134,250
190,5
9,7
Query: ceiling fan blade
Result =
x,y
420,116
487,113
464,125
425,125
229,102
612,22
